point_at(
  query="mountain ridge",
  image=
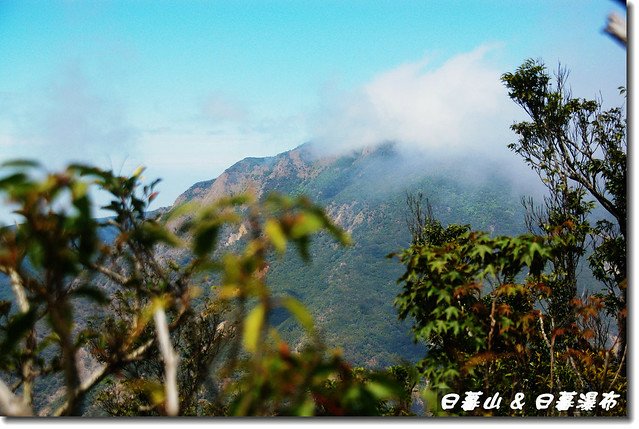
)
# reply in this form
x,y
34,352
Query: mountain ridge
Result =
x,y
350,290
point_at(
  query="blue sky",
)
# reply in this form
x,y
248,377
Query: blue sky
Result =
x,y
189,87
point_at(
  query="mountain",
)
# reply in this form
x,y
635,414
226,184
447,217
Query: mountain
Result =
x,y
350,291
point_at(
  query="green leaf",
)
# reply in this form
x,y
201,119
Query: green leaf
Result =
x,y
138,171
431,401
300,312
306,408
535,248
381,390
307,224
154,233
79,189
93,293
482,250
13,179
451,312
205,237
182,210
20,163
17,327
253,328
273,230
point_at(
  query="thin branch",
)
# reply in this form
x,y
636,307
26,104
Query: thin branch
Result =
x,y
543,332
616,28
17,285
170,361
551,346
99,374
574,367
18,288
116,277
10,404
137,353
605,370
493,323
623,358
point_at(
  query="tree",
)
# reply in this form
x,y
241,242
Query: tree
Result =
x,y
166,336
479,323
578,148
480,304
503,313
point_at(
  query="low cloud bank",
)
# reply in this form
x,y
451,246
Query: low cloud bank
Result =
x,y
453,118
458,106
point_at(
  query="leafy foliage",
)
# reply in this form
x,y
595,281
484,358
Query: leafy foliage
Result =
x,y
502,313
160,344
577,147
479,303
153,314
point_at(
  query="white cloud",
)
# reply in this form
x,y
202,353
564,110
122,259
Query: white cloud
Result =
x,y
183,155
460,105
6,141
219,107
69,121
457,107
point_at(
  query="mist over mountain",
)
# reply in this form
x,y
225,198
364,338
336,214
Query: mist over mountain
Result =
x,y
350,290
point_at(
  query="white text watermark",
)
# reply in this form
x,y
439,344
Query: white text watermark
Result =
x,y
565,401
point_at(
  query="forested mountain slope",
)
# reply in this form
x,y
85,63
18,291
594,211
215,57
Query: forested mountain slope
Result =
x,y
351,290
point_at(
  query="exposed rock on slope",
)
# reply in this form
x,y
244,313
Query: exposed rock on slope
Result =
x,y
351,290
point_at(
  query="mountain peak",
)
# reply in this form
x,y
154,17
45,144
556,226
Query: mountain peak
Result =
x,y
279,172
364,191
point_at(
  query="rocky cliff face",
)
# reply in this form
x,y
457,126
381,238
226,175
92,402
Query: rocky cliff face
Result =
x,y
258,175
351,290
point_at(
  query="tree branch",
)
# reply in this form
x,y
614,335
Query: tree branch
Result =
x,y
170,361
10,404
99,374
116,277
621,365
18,288
616,28
17,285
